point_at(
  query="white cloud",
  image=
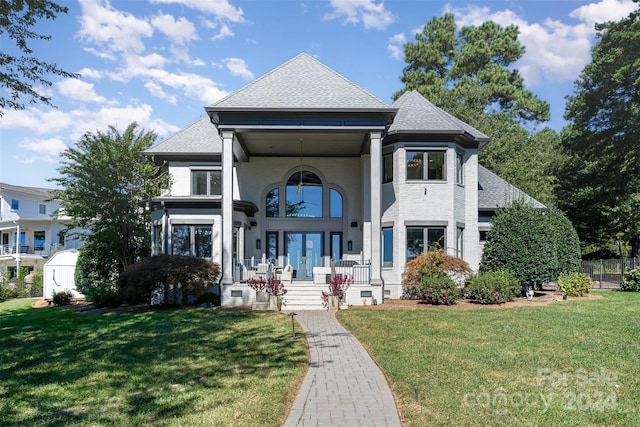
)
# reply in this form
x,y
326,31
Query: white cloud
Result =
x,y
371,14
75,123
179,31
157,91
224,31
50,147
238,67
79,90
221,9
111,29
193,85
555,50
603,11
396,46
90,73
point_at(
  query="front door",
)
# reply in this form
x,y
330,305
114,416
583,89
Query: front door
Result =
x,y
304,250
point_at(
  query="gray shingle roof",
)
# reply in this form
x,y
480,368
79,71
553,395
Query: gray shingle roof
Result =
x,y
302,83
494,192
200,137
43,193
417,114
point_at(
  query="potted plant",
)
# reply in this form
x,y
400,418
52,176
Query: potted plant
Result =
x,y
338,286
269,290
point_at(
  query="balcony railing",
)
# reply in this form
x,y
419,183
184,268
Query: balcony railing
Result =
x,y
35,250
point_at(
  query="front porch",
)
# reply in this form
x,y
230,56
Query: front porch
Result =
x,y
303,293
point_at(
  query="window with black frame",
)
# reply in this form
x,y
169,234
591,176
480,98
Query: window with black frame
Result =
x,y
424,239
426,165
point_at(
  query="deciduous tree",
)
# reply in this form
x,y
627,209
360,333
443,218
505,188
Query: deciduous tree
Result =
x,y
104,181
21,74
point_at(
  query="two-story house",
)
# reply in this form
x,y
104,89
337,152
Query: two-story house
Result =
x,y
303,168
29,232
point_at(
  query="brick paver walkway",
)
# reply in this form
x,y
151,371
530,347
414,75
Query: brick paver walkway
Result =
x,y
343,386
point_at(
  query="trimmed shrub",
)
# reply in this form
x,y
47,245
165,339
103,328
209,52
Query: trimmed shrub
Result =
x,y
438,289
574,284
493,287
536,245
191,275
62,298
631,281
435,263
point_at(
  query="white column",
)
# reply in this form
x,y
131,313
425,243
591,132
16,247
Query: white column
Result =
x,y
376,207
227,207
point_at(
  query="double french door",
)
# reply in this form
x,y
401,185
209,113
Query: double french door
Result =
x,y
304,251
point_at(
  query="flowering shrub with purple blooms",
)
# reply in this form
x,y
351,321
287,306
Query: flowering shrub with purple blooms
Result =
x,y
271,286
338,285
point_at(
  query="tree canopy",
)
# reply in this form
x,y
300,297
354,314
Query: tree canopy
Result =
x,y
601,183
470,74
20,74
104,181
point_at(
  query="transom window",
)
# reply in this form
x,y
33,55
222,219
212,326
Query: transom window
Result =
x,y
426,165
206,182
424,239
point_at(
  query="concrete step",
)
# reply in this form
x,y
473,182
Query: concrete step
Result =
x,y
303,296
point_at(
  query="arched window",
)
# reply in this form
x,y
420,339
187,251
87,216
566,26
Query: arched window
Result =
x,y
272,204
304,195
335,204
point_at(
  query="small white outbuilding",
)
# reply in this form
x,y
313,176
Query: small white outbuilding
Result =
x,y
59,274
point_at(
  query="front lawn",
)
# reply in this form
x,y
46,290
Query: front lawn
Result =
x,y
165,368
570,363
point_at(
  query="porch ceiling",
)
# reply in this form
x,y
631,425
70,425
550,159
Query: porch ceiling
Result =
x,y
307,144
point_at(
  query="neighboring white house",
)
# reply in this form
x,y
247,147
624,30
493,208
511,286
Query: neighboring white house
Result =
x,y
302,167
59,274
29,232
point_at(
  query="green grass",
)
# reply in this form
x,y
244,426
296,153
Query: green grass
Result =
x,y
571,363
166,368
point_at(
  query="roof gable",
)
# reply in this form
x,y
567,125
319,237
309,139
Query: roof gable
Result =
x,y
302,83
416,114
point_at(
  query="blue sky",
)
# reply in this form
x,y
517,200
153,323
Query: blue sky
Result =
x,y
159,62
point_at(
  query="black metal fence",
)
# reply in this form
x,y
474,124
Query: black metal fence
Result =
x,y
608,273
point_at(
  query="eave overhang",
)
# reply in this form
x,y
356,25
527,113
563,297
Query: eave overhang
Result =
x,y
190,202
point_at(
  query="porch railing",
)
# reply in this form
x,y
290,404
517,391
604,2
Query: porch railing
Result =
x,y
609,272
359,271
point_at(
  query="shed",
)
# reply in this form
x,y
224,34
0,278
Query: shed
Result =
x,y
59,274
